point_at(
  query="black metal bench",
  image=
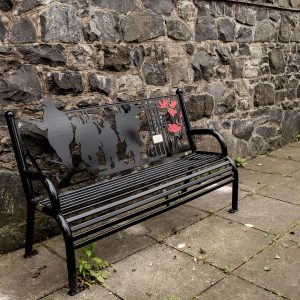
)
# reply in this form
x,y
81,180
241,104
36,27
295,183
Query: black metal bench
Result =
x,y
148,145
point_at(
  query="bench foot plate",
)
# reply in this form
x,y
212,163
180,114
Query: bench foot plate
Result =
x,y
79,290
32,253
232,211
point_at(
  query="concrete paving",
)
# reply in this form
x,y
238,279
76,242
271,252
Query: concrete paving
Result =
x,y
208,203
292,153
235,288
222,242
267,214
197,251
159,272
276,269
283,188
273,165
252,181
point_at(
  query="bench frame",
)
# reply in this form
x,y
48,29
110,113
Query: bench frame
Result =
x,y
27,177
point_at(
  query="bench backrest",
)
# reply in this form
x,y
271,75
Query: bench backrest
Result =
x,y
76,145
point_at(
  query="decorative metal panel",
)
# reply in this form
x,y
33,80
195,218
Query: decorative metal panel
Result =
x,y
103,140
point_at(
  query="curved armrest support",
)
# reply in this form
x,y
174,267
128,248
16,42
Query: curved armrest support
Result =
x,y
48,185
208,131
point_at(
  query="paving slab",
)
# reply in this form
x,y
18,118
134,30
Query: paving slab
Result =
x,y
282,188
112,248
123,243
294,145
265,213
221,241
296,176
253,181
235,288
33,277
283,276
96,292
287,152
294,235
215,200
272,165
172,221
158,272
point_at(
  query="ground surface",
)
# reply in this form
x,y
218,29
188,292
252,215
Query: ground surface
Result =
x,y
258,247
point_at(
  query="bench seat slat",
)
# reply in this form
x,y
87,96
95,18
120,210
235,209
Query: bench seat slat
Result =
x,y
148,180
73,200
135,218
108,215
133,179
132,176
147,192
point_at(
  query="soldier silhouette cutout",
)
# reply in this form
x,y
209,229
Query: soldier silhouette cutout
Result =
x,y
59,131
128,127
109,144
87,135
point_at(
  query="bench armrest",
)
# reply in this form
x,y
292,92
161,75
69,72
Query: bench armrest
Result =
x,y
48,185
208,131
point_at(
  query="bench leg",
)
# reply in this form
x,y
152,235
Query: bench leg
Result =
x,y
71,264
70,254
29,252
235,190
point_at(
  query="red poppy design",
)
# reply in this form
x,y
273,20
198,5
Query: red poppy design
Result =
x,y
174,128
169,106
172,112
163,103
173,104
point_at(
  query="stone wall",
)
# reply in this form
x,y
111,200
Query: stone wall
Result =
x,y
238,61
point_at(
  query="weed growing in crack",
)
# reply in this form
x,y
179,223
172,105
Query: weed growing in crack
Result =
x,y
240,162
90,268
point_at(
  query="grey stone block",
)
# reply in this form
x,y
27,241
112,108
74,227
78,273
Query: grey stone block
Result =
x,y
63,83
52,55
6,5
265,31
226,30
100,83
104,26
154,73
124,6
264,94
61,24
178,30
200,106
245,15
142,26
206,28
116,57
23,31
22,85
164,7
277,61
203,64
243,129
2,31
